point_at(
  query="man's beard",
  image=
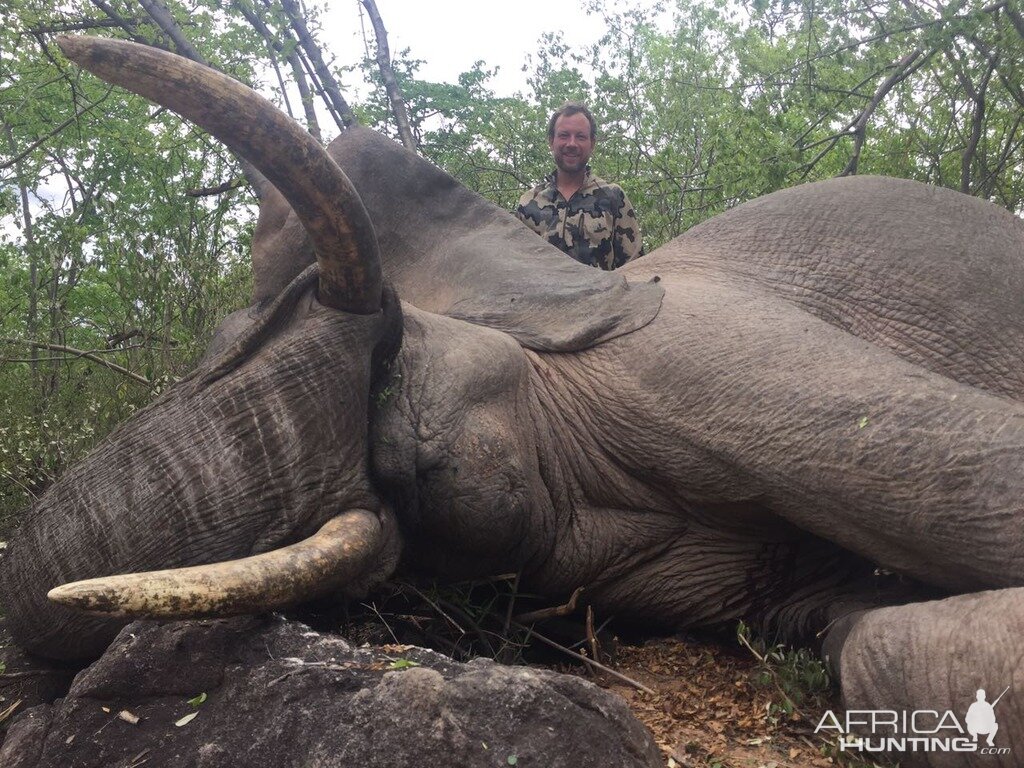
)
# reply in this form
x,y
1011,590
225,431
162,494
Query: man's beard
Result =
x,y
573,164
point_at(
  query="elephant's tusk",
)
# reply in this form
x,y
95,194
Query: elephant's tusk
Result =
x,y
344,549
317,189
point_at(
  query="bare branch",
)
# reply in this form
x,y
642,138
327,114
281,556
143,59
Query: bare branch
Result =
x,y
387,74
902,70
128,25
548,613
327,81
78,26
163,19
585,659
977,121
92,356
293,60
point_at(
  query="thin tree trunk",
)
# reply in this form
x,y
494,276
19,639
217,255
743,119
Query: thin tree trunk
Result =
x,y
163,19
902,70
293,61
32,316
387,73
315,55
977,123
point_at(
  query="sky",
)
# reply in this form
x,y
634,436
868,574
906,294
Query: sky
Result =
x,y
450,35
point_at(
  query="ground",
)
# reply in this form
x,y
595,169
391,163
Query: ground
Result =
x,y
719,707
726,701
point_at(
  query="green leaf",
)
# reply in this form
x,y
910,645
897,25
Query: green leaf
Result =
x,y
186,719
403,664
512,760
195,702
862,422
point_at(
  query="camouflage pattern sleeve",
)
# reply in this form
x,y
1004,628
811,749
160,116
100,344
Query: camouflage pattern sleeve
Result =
x,y
628,243
532,213
520,211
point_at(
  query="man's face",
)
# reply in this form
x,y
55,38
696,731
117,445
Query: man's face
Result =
x,y
572,146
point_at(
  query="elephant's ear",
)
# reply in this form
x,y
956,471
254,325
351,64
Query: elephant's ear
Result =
x,y
451,252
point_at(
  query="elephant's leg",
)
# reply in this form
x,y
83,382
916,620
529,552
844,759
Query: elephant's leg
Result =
x,y
937,656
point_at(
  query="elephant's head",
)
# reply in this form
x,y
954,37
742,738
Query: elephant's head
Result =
x,y
263,446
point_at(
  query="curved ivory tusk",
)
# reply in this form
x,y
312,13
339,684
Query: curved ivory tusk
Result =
x,y
317,189
340,552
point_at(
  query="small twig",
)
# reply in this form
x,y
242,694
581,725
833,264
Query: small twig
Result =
x,y
451,648
595,647
373,607
39,142
112,718
511,605
601,628
438,608
548,613
774,675
746,643
580,657
10,710
27,490
473,625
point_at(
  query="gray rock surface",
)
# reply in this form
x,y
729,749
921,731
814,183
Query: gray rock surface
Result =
x,y
279,694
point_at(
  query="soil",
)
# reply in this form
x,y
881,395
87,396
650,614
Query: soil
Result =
x,y
712,708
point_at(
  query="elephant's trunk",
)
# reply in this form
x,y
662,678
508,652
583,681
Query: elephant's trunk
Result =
x,y
258,458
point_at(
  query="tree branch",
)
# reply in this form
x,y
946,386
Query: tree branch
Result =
x,y
977,121
128,25
387,74
293,60
92,356
78,26
327,81
220,189
902,70
1016,19
165,21
39,142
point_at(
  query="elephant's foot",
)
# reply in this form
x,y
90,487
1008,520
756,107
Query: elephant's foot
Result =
x,y
943,679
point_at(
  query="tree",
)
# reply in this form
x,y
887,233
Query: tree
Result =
x,y
124,232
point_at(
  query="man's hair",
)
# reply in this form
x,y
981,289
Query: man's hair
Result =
x,y
569,109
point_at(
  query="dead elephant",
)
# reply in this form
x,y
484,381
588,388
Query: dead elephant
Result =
x,y
816,385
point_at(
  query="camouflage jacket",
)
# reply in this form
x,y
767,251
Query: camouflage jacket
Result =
x,y
596,226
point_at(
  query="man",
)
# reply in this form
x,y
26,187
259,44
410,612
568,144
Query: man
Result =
x,y
588,218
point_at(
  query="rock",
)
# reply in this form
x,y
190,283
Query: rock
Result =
x,y
26,681
278,694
